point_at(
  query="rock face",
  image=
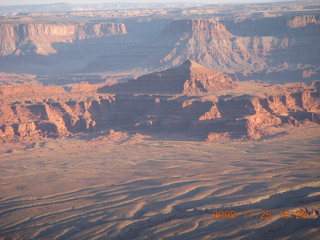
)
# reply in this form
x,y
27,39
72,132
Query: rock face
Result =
x,y
85,87
14,78
209,117
22,121
247,46
21,90
214,136
232,46
262,44
303,21
205,80
37,38
189,78
200,40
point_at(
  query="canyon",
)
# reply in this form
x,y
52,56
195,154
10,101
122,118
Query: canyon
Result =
x,y
188,99
37,38
246,43
140,121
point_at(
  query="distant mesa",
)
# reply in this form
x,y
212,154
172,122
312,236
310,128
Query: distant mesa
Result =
x,y
39,38
189,78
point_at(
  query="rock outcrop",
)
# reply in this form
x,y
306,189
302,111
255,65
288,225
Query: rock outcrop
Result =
x,y
205,80
231,46
85,87
245,46
210,117
260,44
303,21
15,78
52,118
38,38
190,78
27,90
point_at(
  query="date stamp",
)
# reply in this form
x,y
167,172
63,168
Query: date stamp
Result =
x,y
264,215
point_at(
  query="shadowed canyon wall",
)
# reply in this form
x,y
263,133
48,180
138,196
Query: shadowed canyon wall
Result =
x,y
281,44
37,38
267,45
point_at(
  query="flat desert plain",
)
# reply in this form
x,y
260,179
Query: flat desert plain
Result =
x,y
144,187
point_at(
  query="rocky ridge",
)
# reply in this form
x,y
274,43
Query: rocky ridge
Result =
x,y
38,38
231,46
189,78
244,46
303,21
244,111
28,90
248,45
51,117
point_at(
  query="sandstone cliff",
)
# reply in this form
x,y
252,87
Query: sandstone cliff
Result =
x,y
303,21
234,114
27,90
189,78
232,46
85,87
247,45
262,45
23,121
37,38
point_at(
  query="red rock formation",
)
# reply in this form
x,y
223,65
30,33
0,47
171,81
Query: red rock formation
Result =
x,y
292,108
249,46
16,78
51,119
316,85
6,133
303,21
190,78
214,136
209,117
205,80
18,91
213,113
20,39
85,87
209,42
25,129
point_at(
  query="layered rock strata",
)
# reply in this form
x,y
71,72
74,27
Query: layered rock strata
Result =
x,y
38,38
208,117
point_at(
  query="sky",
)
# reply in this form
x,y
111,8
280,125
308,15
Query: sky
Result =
x,y
27,2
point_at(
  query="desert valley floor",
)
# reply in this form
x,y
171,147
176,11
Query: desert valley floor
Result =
x,y
144,187
160,120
